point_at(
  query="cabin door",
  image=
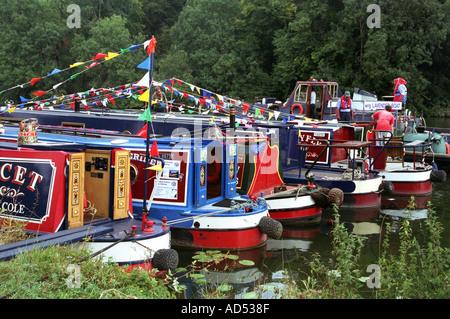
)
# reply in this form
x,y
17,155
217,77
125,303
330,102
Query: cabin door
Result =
x,y
200,178
75,200
121,184
230,171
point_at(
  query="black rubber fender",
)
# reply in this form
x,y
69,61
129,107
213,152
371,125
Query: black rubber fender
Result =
x,y
387,188
273,228
438,176
165,259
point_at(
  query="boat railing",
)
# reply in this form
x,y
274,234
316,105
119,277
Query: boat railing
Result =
x,y
347,145
388,144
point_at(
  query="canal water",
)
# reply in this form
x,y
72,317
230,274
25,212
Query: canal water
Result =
x,y
286,259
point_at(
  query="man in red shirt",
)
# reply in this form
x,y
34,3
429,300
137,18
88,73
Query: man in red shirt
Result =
x,y
385,122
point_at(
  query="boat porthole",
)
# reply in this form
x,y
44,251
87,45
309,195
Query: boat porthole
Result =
x,y
196,225
133,174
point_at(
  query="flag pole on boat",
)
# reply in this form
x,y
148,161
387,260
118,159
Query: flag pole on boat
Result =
x,y
151,51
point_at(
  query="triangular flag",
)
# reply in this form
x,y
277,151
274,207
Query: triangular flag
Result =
x,y
34,80
246,106
154,149
23,100
56,85
277,113
156,167
10,110
54,71
257,112
99,56
39,93
111,55
143,131
270,116
134,47
144,81
145,96
146,116
92,65
145,64
285,119
76,64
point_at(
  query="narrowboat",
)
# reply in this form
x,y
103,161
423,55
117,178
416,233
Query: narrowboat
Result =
x,y
259,172
201,212
314,147
72,193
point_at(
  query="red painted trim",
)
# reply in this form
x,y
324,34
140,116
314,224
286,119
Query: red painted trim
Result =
x,y
295,214
412,188
362,200
219,239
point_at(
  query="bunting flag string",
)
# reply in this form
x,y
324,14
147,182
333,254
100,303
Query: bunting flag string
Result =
x,y
89,64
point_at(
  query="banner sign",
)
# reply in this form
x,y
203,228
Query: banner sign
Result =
x,y
380,105
26,188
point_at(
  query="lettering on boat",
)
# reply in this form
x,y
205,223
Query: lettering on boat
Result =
x,y
26,188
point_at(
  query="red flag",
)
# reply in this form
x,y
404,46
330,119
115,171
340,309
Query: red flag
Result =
x,y
143,131
34,80
39,93
99,56
151,46
154,149
246,106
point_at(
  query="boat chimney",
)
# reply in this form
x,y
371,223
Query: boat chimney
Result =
x,y
232,117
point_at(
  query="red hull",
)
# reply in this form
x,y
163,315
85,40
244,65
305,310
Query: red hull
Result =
x,y
362,200
413,189
226,239
298,216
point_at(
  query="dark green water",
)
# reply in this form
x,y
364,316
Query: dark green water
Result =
x,y
285,259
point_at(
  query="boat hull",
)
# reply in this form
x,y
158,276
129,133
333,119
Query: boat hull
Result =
x,y
358,193
294,211
409,181
239,232
138,249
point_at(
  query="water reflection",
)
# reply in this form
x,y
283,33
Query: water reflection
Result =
x,y
287,258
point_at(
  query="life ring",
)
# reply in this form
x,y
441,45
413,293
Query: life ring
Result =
x,y
447,148
214,177
299,106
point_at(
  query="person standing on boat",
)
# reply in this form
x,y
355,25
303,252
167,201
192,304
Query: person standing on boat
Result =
x,y
385,122
344,111
400,90
312,104
159,97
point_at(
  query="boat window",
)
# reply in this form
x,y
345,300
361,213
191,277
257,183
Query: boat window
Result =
x,y
333,90
214,172
300,94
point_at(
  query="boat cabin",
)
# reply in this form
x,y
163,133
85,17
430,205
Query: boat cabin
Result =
x,y
56,186
196,172
300,101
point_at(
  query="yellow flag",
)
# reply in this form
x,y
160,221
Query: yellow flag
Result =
x,y
111,55
270,116
76,64
12,109
144,96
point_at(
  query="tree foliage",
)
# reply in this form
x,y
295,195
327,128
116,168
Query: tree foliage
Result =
x,y
240,48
